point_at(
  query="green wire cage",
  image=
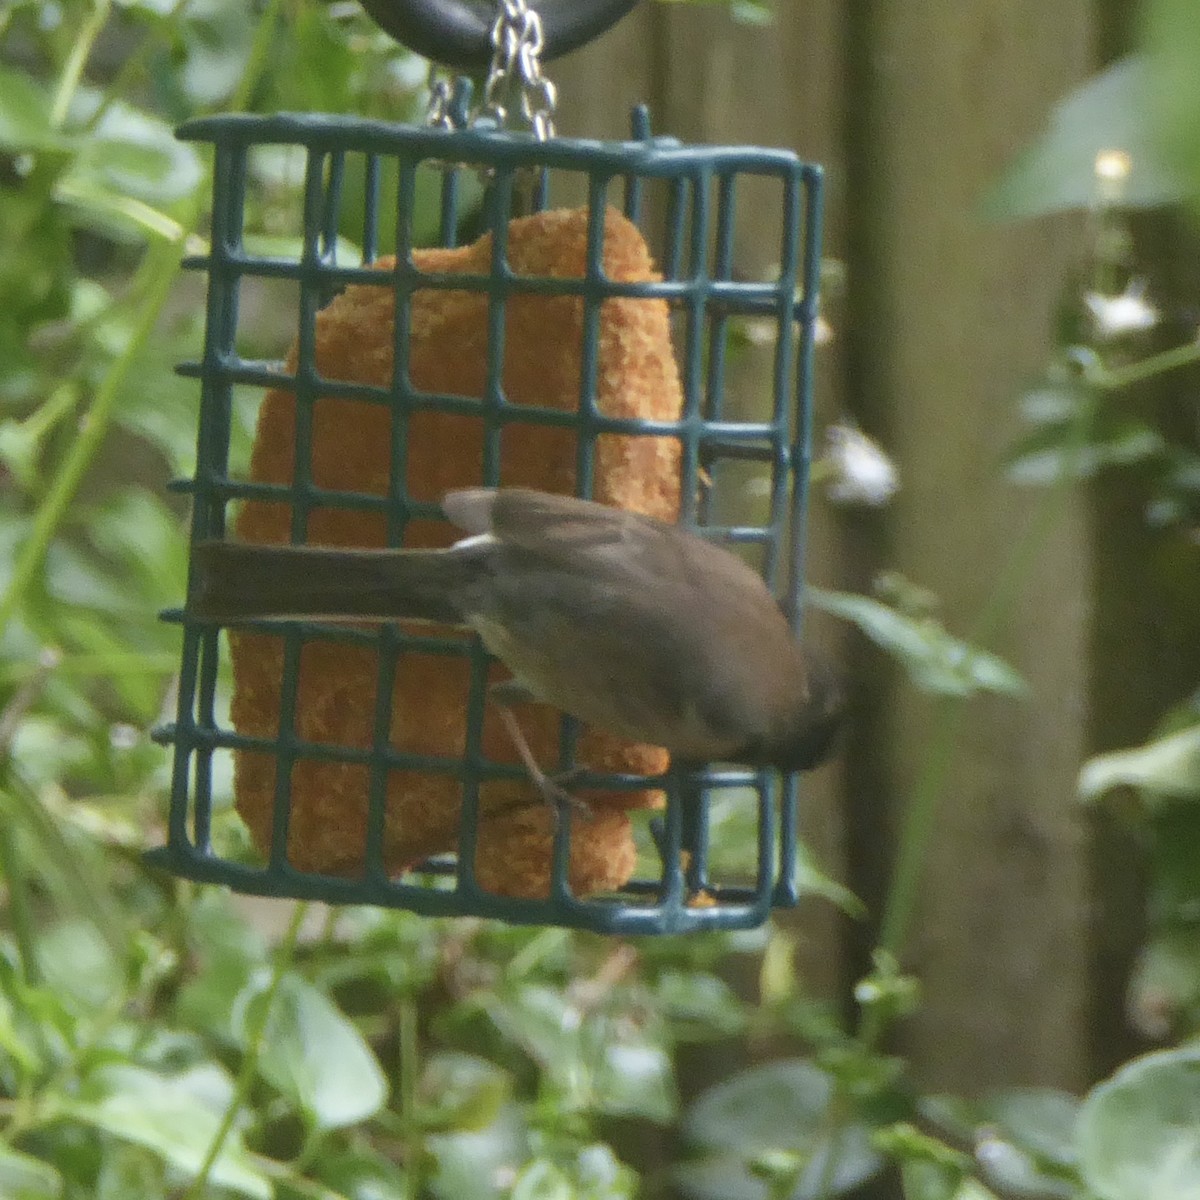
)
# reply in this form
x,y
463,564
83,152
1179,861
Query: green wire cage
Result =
x,y
694,192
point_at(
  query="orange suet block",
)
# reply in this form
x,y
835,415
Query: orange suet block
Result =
x,y
352,451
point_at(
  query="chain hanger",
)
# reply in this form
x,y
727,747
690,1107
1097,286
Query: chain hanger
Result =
x,y
515,74
514,78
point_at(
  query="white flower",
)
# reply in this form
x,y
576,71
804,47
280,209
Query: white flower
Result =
x,y
861,473
123,737
1115,316
763,331
760,331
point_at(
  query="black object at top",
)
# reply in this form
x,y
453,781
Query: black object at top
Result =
x,y
457,33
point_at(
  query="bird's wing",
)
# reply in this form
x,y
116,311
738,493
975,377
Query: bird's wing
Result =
x,y
563,530
557,526
524,517
596,541
611,615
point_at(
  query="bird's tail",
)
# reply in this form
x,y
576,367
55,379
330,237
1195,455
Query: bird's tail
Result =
x,y
238,581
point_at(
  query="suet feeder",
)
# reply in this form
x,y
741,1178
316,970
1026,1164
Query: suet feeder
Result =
x,y
583,346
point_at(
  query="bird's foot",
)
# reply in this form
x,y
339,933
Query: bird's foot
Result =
x,y
555,792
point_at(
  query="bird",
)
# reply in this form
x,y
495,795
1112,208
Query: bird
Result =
x,y
633,625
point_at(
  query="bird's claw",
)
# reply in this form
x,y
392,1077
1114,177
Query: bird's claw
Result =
x,y
554,789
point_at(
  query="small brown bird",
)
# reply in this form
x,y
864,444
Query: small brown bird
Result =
x,y
630,624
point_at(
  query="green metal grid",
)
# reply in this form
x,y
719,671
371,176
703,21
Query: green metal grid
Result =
x,y
696,262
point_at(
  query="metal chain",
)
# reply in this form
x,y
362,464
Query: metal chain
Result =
x,y
516,71
437,111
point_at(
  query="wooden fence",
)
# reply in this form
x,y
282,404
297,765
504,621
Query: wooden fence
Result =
x,y
914,109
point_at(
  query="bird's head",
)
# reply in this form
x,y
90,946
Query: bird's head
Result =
x,y
808,724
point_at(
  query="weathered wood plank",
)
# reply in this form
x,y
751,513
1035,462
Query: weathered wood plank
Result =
x,y
960,319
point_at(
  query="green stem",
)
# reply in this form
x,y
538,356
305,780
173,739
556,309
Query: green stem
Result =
x,y
162,260
313,1144
59,405
20,916
15,877
409,1048
1101,377
63,868
293,1180
159,270
145,216
917,830
256,1036
256,60
88,665
72,72
122,82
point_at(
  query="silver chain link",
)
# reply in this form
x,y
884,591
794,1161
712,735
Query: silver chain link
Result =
x,y
516,71
437,111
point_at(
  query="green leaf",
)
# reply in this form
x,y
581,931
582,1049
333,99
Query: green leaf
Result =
x,y
635,1079
1138,1136
1166,767
698,1004
595,1174
1165,987
25,115
814,882
1174,865
158,8
1024,1142
1023,1137
778,1107
542,1022
628,1076
176,1117
542,1180
79,966
1039,1120
362,1174
1055,401
751,12
471,1165
128,1172
138,532
20,451
936,660
15,1044
907,1144
1049,452
45,752
227,951
462,1091
1172,86
314,1056
134,153
23,1177
37,1028
1112,111
927,1181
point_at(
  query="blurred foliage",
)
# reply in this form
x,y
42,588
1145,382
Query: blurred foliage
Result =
x,y
1126,140
159,1039
907,628
1109,112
